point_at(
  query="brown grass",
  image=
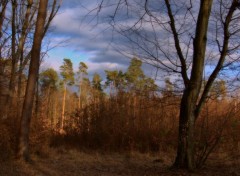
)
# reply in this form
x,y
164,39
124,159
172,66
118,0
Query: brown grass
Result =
x,y
62,162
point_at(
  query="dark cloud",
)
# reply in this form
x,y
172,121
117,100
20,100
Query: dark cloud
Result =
x,y
100,42
110,56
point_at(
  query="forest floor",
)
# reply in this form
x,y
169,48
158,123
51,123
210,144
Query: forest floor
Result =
x,y
60,162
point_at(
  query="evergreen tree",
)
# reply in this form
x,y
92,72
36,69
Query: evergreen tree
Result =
x,y
135,75
136,80
96,82
68,79
49,79
116,80
82,72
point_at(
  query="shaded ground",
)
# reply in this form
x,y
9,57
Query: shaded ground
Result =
x,y
72,163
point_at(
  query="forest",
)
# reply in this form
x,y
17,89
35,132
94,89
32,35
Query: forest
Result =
x,y
64,121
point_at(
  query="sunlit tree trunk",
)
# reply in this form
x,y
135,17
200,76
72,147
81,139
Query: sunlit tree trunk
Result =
x,y
63,107
23,146
80,95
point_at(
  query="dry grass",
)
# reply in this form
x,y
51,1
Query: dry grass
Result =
x,y
60,162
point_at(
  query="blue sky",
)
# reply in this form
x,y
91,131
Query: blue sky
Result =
x,y
73,36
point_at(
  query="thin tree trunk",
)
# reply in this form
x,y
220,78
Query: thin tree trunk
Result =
x,y
80,95
21,44
3,90
8,104
23,146
54,114
2,15
63,108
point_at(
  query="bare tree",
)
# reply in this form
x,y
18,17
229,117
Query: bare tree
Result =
x,y
3,5
33,73
3,41
181,38
42,25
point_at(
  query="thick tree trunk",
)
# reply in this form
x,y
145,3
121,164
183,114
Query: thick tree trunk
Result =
x,y
23,147
185,153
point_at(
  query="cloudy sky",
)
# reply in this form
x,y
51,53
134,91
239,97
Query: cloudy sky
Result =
x,y
86,36
77,36
83,35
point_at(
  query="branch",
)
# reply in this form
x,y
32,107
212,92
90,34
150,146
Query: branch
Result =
x,y
177,44
51,16
222,58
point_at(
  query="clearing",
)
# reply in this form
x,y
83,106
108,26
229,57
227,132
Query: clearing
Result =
x,y
60,162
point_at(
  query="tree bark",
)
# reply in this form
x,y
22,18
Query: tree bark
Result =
x,y
2,15
22,40
11,93
23,144
3,90
185,151
63,108
80,94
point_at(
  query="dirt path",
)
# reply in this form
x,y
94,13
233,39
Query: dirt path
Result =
x,y
72,163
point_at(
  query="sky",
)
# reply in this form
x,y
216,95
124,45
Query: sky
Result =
x,y
84,37
73,35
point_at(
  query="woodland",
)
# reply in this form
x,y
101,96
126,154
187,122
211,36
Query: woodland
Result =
x,y
66,122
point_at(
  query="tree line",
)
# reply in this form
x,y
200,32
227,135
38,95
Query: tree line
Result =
x,y
133,82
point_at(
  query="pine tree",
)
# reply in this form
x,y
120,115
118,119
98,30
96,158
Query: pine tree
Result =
x,y
82,72
68,79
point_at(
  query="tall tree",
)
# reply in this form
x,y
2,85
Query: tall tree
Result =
x,y
112,77
49,84
135,75
96,82
116,80
82,72
49,79
3,6
26,14
68,79
180,41
23,149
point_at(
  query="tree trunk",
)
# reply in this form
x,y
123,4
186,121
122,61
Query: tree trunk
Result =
x,y
3,90
80,96
63,108
11,93
185,152
23,147
37,102
3,5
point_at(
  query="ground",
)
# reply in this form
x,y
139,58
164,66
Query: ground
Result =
x,y
60,162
